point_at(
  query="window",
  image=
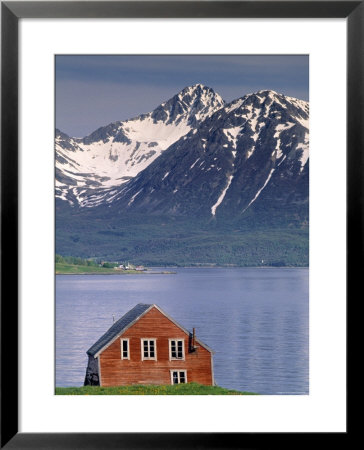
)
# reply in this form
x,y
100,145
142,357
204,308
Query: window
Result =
x,y
125,349
178,376
149,349
176,349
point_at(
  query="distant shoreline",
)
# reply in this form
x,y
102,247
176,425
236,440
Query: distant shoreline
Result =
x,y
232,267
81,269
172,271
145,272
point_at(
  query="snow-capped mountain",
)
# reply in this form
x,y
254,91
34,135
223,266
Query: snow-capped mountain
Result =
x,y
88,169
252,152
195,181
193,154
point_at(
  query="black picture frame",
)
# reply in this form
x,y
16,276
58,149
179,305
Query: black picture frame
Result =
x,y
11,12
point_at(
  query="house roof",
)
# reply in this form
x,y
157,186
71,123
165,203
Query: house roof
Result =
x,y
124,323
118,327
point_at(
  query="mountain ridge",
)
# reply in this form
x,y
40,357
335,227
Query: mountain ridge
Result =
x,y
246,147
117,152
97,188
197,180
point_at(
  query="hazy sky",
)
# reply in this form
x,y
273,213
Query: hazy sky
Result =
x,y
92,91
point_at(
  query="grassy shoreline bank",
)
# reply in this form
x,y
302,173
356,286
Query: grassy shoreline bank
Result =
x,y
178,389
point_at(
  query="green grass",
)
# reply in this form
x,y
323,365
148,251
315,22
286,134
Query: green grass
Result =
x,y
62,268
179,389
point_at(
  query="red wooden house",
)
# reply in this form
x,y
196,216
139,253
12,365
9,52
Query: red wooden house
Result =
x,y
147,346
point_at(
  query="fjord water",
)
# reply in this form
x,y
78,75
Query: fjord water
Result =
x,y
255,320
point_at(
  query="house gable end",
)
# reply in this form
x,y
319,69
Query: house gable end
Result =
x,y
126,322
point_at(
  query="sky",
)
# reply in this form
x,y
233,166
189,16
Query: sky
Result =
x,y
95,90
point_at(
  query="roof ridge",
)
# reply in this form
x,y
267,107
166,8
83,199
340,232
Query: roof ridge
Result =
x,y
117,327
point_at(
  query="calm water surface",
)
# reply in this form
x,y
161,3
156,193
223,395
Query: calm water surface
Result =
x,y
256,321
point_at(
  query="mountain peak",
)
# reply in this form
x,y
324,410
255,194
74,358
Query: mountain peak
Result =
x,y
191,104
200,86
199,90
267,92
61,134
277,95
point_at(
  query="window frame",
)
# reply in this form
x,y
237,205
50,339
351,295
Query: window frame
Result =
x,y
148,358
170,349
122,340
178,375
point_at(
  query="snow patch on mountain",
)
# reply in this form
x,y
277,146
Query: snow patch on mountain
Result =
x,y
279,128
231,134
304,147
222,195
260,190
